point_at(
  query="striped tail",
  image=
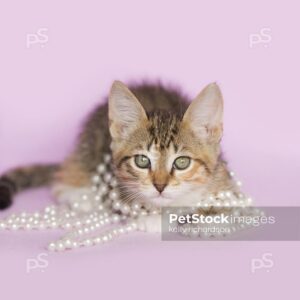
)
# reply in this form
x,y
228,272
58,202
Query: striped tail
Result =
x,y
19,179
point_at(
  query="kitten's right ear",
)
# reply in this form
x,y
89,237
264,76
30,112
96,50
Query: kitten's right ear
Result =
x,y
124,111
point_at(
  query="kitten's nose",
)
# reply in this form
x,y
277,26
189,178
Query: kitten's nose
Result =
x,y
160,187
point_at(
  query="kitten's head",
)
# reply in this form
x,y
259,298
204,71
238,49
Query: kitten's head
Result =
x,y
163,157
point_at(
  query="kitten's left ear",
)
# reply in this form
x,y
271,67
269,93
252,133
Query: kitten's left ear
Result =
x,y
205,114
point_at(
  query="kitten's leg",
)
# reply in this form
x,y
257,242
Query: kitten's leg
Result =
x,y
150,223
72,181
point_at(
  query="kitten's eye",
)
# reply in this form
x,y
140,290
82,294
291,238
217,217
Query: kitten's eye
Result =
x,y
142,161
182,162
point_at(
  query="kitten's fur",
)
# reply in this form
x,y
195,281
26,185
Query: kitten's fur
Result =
x,y
146,119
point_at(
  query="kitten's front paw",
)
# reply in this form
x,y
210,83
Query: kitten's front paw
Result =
x,y
150,224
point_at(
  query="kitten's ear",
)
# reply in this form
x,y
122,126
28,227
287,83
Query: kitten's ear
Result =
x,y
205,114
124,111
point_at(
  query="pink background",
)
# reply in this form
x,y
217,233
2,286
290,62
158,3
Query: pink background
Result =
x,y
46,91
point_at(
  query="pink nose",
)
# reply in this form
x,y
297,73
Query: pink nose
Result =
x,y
160,187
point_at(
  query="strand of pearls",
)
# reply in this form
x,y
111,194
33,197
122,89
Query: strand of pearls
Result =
x,y
230,204
99,215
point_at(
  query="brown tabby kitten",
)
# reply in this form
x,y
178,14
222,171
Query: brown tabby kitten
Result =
x,y
164,151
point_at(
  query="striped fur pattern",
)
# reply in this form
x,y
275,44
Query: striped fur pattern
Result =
x,y
163,136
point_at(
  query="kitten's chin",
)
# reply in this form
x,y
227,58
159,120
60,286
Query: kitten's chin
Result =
x,y
160,201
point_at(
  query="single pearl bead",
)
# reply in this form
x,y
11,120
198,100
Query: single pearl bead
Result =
x,y
103,189
100,207
113,195
143,213
134,213
107,221
14,227
107,158
110,236
97,240
107,177
67,226
28,226
115,232
42,226
114,182
68,243
48,209
117,205
85,197
96,179
75,205
60,246
78,224
2,225
97,198
125,209
54,225
75,245
52,212
228,194
116,218
101,169
104,238
136,206
87,242
221,195
52,247
129,228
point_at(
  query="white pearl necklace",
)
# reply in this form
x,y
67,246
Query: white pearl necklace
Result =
x,y
100,215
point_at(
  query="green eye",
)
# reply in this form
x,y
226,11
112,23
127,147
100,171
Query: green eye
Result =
x,y
182,162
142,161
